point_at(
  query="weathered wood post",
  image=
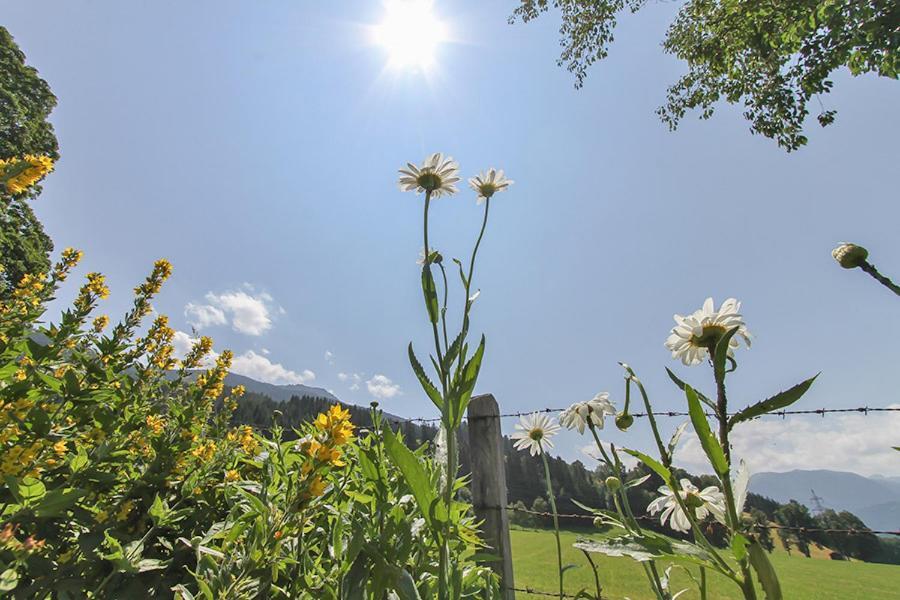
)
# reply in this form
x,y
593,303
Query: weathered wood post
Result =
x,y
489,485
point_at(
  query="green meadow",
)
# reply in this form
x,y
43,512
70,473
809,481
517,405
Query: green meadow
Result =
x,y
817,578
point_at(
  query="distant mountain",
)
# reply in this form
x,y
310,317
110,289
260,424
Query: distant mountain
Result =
x,y
874,500
278,393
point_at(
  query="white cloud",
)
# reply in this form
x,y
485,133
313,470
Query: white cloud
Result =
x,y
342,376
261,368
857,443
382,387
329,357
203,315
249,312
354,387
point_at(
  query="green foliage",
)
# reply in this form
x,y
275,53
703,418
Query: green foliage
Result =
x,y
122,476
25,105
772,57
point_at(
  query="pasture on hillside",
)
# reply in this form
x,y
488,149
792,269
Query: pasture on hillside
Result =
x,y
534,560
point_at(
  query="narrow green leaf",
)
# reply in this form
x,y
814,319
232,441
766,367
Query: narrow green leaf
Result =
x,y
431,391
404,584
739,546
682,384
776,402
721,353
654,465
467,384
707,440
430,292
415,475
764,570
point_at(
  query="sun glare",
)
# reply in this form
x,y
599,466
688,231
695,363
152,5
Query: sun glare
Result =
x,y
411,33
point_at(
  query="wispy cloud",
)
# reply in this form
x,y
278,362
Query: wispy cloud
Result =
x,y
382,387
249,312
329,357
857,443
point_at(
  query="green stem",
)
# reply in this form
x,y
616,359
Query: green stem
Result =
x,y
726,569
468,305
597,585
883,280
555,521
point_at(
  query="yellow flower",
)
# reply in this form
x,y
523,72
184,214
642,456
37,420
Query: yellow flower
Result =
x,y
232,475
60,371
20,375
60,447
100,323
316,487
155,423
204,451
18,174
97,285
238,391
102,516
124,510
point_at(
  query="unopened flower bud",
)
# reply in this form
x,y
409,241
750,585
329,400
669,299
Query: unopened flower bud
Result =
x,y
850,256
624,420
598,522
613,483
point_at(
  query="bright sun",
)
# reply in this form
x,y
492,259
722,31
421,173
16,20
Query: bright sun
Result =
x,y
411,33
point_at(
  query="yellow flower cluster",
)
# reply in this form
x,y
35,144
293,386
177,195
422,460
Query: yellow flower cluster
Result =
x,y
213,381
20,458
162,270
336,424
204,451
69,258
244,437
198,351
97,285
19,174
28,292
100,323
155,424
323,450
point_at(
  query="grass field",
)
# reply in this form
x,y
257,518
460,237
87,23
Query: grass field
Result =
x,y
534,559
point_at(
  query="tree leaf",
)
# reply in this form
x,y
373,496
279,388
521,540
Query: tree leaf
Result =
x,y
430,390
707,440
764,570
776,402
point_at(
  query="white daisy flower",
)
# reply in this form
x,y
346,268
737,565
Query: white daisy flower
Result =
x,y
595,410
533,433
489,183
693,334
436,175
709,501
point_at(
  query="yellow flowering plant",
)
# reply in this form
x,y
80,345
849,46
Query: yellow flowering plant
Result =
x,y
122,473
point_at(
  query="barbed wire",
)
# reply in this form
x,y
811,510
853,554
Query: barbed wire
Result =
x,y
754,525
862,410
534,592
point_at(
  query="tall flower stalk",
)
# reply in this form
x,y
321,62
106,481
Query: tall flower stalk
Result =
x,y
533,433
707,335
456,369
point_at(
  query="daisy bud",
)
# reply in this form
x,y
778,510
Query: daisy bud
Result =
x,y
624,421
613,484
850,256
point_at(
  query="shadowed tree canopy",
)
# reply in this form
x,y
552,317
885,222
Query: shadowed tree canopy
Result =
x,y
25,104
772,56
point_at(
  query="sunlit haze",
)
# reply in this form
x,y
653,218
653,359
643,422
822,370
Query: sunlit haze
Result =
x,y
411,33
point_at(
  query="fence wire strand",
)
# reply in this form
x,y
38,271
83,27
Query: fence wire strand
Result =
x,y
755,525
862,410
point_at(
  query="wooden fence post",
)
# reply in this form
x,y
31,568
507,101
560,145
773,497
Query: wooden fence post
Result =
x,y
489,485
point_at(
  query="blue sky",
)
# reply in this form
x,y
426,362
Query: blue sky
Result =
x,y
256,145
